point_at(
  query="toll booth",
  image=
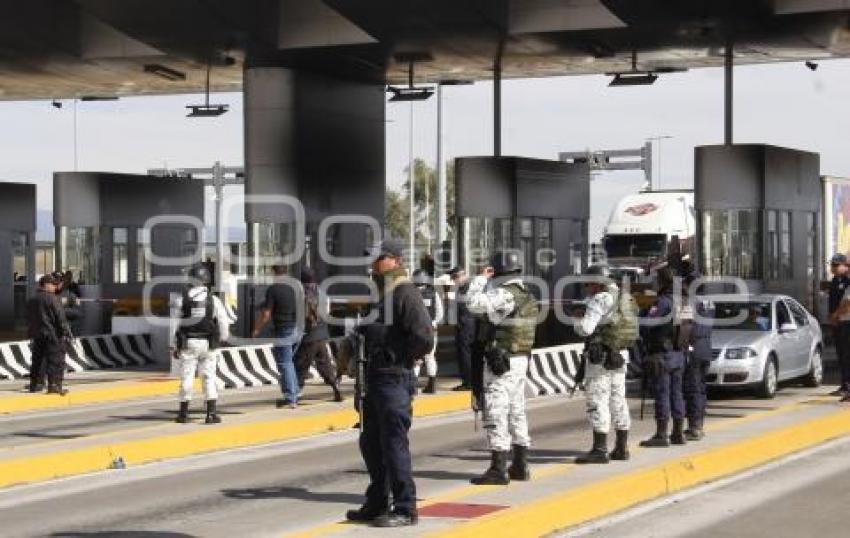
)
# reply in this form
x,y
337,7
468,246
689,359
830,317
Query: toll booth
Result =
x,y
759,217
17,251
100,222
538,207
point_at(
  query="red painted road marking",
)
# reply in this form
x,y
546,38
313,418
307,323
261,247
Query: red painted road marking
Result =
x,y
459,510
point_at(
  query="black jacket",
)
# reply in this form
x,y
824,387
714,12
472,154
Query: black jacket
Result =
x,y
402,331
46,317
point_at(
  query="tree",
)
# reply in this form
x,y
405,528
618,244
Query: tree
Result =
x,y
425,199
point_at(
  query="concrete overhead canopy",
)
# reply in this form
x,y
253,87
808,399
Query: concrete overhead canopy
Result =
x,y
79,48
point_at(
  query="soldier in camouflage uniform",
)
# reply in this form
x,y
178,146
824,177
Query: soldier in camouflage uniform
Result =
x,y
512,311
607,327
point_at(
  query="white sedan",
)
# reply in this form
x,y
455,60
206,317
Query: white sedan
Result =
x,y
760,340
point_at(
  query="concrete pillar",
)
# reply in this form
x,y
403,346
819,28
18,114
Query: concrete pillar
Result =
x,y
321,140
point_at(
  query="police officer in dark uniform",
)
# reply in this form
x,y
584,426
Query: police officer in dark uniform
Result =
x,y
464,329
695,339
49,331
840,322
665,364
400,334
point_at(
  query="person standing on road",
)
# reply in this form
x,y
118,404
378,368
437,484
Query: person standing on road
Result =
x,y
839,316
611,327
695,339
204,325
281,308
400,333
434,304
464,329
50,334
313,349
68,292
512,311
665,365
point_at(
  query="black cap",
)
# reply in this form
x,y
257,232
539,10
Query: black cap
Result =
x,y
47,279
838,259
387,247
454,271
308,276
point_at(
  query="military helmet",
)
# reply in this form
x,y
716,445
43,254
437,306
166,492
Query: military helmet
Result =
x,y
421,277
201,273
598,269
505,262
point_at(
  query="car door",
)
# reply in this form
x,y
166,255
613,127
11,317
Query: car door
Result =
x,y
807,333
788,343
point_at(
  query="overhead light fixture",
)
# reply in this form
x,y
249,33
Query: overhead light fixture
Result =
x,y
411,92
99,98
812,65
207,110
164,72
633,79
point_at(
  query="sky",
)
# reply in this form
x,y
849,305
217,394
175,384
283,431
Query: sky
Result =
x,y
783,104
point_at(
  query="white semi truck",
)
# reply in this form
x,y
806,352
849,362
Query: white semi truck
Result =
x,y
646,228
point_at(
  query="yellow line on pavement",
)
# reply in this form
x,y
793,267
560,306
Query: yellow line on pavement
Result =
x,y
202,440
114,392
559,469
586,503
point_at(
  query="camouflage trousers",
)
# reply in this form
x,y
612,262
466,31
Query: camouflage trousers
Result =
x,y
504,406
606,398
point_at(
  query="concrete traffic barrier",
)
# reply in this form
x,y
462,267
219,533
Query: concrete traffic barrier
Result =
x,y
86,353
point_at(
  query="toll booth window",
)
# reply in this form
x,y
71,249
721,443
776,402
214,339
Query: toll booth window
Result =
x,y
143,264
478,239
19,256
80,252
778,241
272,240
731,243
119,255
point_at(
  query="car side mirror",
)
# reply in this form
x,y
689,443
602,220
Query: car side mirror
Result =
x,y
787,328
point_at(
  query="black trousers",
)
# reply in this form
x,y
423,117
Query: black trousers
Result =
x,y
463,347
841,335
48,360
384,443
315,353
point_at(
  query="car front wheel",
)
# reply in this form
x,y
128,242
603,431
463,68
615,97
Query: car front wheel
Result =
x,y
769,380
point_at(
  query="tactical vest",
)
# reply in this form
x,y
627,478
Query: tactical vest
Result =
x,y
516,333
621,330
202,310
429,297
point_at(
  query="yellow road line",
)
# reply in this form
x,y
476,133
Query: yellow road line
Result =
x,y
583,504
100,457
114,392
557,470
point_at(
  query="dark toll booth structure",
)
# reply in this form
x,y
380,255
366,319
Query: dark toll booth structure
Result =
x,y
17,251
760,217
101,237
538,207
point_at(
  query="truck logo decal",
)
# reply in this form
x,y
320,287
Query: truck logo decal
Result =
x,y
642,209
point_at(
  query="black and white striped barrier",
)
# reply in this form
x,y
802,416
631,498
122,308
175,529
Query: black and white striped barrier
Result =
x,y
255,366
552,370
87,353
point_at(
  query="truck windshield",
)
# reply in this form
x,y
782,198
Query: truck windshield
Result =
x,y
635,246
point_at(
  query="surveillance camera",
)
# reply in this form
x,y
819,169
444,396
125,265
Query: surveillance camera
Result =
x,y
812,65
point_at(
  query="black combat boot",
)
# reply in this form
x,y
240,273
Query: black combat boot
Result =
x,y
431,387
57,389
212,416
599,452
183,413
660,438
496,475
677,436
621,449
519,467
694,431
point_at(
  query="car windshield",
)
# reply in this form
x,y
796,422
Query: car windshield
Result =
x,y
743,316
634,246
